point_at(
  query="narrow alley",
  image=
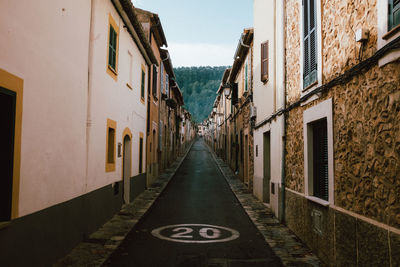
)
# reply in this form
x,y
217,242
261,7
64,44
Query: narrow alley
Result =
x,y
202,223
199,133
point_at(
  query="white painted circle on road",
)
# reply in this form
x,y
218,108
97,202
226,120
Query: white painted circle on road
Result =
x,y
195,233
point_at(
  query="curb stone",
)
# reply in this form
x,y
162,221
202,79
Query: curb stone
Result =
x,y
96,249
286,245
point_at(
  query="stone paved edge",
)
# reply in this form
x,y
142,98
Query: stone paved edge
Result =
x,y
286,245
95,250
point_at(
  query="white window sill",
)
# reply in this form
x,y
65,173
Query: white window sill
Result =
x,y
389,57
318,201
310,88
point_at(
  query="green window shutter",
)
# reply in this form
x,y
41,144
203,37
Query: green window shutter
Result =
x,y
394,14
154,81
112,49
310,43
167,85
142,85
246,77
162,77
320,159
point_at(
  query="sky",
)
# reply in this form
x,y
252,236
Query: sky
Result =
x,y
201,32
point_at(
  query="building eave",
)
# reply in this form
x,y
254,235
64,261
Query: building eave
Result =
x,y
126,11
241,52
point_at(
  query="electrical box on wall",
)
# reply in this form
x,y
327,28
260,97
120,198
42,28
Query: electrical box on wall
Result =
x,y
362,35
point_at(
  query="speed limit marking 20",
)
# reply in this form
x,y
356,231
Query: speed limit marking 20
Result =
x,y
195,233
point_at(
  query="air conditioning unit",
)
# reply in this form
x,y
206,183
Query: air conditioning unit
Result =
x,y
253,111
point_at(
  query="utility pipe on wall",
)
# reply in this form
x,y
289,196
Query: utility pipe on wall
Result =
x,y
90,84
283,173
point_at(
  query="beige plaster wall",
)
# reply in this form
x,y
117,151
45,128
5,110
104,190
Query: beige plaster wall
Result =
x,y
269,97
113,99
40,43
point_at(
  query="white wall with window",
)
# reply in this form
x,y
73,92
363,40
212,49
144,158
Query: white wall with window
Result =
x,y
388,27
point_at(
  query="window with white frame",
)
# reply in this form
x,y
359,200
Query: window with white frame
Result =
x,y
162,77
246,76
130,81
310,48
394,14
318,152
167,85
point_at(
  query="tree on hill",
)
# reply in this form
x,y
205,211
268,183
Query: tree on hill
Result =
x,y
199,86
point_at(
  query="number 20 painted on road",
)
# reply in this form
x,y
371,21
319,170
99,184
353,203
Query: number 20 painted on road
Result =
x,y
185,233
203,233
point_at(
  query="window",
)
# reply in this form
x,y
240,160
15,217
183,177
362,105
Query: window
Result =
x,y
110,149
394,14
318,153
155,73
388,28
264,62
319,158
130,57
112,62
167,85
246,77
309,43
141,153
142,84
112,49
162,77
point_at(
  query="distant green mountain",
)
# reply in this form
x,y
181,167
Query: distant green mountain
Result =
x,y
199,86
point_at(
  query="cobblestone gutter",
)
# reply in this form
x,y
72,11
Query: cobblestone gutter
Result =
x,y
94,250
283,242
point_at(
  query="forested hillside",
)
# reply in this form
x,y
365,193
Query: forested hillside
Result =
x,y
199,86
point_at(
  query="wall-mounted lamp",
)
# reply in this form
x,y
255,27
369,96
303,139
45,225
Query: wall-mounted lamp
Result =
x,y
227,91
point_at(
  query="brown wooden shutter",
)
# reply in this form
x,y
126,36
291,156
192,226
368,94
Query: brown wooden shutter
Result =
x,y
264,61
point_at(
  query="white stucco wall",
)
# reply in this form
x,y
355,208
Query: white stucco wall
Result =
x,y
114,99
263,31
46,44
268,97
275,129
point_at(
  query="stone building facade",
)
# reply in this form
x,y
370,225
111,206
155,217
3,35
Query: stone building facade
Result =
x,y
240,80
155,35
355,219
229,132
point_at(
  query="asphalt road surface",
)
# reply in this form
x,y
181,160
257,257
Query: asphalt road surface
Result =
x,y
196,221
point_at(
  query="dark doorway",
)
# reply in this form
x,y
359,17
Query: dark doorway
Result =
x,y
7,122
127,162
267,166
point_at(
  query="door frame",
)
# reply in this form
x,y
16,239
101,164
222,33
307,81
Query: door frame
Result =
x,y
127,134
267,167
15,84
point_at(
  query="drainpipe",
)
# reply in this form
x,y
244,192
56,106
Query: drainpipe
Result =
x,y
89,90
283,173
